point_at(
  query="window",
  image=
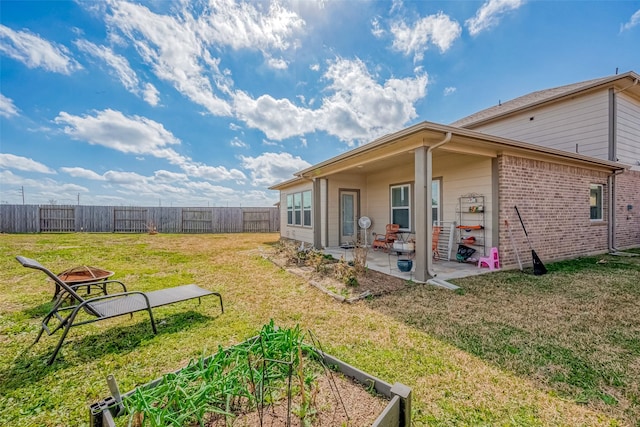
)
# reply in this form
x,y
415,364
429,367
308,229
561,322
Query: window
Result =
x,y
306,208
290,209
595,202
435,200
299,209
401,206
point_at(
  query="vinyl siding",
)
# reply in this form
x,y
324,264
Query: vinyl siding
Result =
x,y
297,232
580,122
628,130
378,200
335,184
463,174
460,174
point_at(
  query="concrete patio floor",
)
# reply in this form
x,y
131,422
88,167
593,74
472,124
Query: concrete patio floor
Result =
x,y
384,262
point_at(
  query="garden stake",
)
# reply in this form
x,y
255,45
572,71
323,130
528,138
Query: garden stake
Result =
x,y
332,382
538,267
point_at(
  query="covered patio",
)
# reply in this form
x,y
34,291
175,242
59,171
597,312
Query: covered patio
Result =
x,y
386,262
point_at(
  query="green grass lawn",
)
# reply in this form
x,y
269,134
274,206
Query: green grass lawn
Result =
x,y
508,349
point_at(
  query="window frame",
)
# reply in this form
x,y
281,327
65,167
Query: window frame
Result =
x,y
408,207
599,217
307,211
289,209
436,219
299,215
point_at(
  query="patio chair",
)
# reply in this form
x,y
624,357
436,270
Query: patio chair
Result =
x,y
106,306
385,241
434,241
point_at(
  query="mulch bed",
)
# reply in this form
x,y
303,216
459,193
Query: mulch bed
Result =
x,y
371,284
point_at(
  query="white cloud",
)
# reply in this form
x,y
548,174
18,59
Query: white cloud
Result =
x,y
164,187
127,178
175,52
112,129
277,118
150,94
7,107
358,108
234,126
83,173
633,21
314,67
162,182
439,30
168,176
38,190
140,136
449,90
121,69
213,173
237,142
489,14
11,161
36,52
361,108
277,63
396,5
179,48
242,25
376,30
271,168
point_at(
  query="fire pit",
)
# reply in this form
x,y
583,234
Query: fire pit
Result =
x,y
79,276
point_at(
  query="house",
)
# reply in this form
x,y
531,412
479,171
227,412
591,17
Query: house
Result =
x,y
599,118
459,176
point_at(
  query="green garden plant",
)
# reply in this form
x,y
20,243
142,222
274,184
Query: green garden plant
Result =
x,y
245,377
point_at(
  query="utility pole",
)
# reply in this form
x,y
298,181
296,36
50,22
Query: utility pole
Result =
x,y
22,190
78,199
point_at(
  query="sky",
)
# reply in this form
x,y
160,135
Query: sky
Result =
x,y
208,103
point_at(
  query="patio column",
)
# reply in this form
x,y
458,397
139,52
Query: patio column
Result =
x,y
317,213
423,214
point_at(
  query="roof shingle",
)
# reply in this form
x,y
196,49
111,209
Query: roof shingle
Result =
x,y
526,100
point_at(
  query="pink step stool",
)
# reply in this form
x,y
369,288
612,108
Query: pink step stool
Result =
x,y
492,261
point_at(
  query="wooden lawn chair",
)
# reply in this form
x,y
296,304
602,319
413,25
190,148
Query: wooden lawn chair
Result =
x,y
108,305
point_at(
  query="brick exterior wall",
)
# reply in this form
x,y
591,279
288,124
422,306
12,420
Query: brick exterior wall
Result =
x,y
553,200
627,193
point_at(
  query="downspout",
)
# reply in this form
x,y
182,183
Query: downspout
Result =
x,y
611,217
429,174
611,179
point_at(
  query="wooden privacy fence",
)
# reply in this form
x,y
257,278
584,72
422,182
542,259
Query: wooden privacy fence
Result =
x,y
129,219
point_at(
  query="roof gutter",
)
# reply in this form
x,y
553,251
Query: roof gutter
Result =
x,y
429,181
635,82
